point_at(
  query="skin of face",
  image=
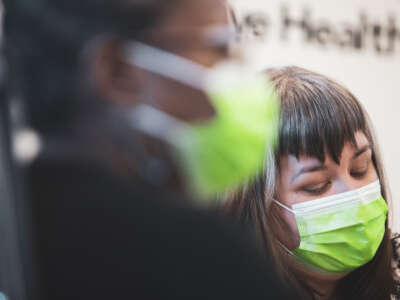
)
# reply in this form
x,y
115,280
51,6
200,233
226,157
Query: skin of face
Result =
x,y
306,178
187,31
184,30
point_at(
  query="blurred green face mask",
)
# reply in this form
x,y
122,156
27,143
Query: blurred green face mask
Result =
x,y
342,232
226,150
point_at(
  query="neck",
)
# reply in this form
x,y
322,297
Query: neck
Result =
x,y
323,288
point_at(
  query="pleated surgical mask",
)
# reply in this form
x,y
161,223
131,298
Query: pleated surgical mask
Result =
x,y
228,149
342,232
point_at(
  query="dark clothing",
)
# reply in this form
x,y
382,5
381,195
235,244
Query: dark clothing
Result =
x,y
99,238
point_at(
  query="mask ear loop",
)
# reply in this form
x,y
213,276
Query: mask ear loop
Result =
x,y
279,242
166,64
145,117
285,248
284,206
156,123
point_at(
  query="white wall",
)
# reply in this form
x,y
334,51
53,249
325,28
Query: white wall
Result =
x,y
356,42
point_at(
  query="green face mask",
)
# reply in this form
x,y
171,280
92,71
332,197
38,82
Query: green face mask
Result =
x,y
342,232
225,151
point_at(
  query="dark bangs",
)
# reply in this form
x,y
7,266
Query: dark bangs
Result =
x,y
317,114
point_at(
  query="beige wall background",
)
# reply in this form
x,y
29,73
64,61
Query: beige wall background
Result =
x,y
356,42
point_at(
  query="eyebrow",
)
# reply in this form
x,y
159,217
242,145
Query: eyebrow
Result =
x,y
361,151
323,167
308,170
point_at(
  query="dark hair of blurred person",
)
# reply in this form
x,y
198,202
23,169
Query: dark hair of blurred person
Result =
x,y
107,218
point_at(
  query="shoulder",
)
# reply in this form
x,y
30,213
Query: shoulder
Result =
x,y
127,239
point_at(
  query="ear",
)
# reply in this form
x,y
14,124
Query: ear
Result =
x,y
113,79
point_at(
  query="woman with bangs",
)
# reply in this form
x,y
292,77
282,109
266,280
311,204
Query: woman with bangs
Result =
x,y
320,208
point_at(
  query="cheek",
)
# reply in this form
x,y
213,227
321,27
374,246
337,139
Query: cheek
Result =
x,y
285,228
373,174
171,97
294,237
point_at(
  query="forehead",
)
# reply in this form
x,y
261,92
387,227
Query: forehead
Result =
x,y
195,13
194,24
290,163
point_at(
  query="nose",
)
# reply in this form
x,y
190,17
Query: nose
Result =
x,y
346,184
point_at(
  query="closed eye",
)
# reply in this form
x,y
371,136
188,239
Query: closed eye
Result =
x,y
318,189
359,174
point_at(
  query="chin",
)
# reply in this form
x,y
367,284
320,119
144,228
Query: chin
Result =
x,y
315,272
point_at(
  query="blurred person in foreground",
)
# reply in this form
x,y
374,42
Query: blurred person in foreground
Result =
x,y
130,122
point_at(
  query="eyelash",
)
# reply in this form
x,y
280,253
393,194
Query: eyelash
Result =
x,y
317,191
359,174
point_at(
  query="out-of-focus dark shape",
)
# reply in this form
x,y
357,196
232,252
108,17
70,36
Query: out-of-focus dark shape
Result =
x,y
11,276
110,215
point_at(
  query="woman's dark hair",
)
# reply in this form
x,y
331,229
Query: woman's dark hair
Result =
x,y
317,114
44,44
